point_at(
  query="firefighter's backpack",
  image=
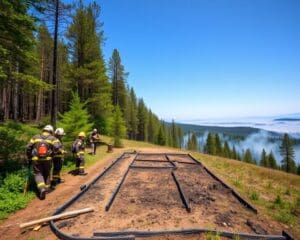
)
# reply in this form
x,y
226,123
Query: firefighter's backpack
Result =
x,y
42,149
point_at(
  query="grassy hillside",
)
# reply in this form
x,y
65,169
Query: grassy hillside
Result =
x,y
276,194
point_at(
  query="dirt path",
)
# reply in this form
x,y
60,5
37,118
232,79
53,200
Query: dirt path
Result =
x,y
9,229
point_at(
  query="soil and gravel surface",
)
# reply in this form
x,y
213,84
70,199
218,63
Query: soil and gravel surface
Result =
x,y
147,200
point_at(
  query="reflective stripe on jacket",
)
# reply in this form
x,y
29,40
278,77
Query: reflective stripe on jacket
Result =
x,y
46,137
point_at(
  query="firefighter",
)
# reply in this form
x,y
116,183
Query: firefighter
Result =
x,y
94,139
78,148
40,152
58,158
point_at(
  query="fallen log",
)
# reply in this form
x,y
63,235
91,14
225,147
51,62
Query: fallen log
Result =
x,y
55,217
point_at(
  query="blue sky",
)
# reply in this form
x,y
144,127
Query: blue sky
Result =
x,y
192,59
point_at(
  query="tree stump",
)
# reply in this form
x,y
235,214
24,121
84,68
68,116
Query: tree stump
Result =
x,y
109,148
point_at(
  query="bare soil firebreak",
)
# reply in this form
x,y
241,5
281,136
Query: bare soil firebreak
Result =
x,y
161,196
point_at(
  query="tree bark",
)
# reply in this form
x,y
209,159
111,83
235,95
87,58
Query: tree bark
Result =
x,y
54,77
40,94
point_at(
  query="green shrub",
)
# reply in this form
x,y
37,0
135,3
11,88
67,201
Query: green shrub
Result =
x,y
11,193
253,195
11,202
13,139
212,236
236,237
44,121
284,217
269,185
287,192
297,202
14,182
278,201
236,183
10,145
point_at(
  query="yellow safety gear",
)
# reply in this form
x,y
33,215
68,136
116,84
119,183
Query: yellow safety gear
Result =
x,y
42,184
81,134
35,158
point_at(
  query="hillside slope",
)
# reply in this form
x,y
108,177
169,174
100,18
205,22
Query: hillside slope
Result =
x,y
275,193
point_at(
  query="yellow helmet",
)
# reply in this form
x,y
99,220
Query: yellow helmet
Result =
x,y
81,134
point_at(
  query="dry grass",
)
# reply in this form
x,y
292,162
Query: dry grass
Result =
x,y
276,194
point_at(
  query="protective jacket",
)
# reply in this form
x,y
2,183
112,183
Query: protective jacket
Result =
x,y
94,137
79,149
42,146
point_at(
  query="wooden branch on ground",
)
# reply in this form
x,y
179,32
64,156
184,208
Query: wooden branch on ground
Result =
x,y
55,217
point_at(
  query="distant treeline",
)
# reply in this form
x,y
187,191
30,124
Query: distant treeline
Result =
x,y
27,65
214,145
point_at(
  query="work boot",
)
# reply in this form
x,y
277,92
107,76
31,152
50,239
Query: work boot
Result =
x,y
82,173
42,194
54,183
60,180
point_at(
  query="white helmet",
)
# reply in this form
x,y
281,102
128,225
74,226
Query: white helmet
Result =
x,y
94,130
48,128
59,132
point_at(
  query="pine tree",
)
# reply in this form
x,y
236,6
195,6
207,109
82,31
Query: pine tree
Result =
x,y
132,126
218,145
272,161
117,77
226,150
88,70
161,138
210,147
19,78
288,154
192,142
143,121
234,153
298,169
180,136
248,156
45,55
168,136
151,127
264,159
76,120
238,156
174,134
117,127
15,33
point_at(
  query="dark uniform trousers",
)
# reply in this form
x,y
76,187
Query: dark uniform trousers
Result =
x,y
80,162
57,166
41,171
79,155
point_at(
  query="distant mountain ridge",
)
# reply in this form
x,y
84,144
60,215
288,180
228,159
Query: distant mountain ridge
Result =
x,y
236,131
287,119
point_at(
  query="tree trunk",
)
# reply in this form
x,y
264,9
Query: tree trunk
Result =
x,y
4,105
54,77
15,96
40,94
